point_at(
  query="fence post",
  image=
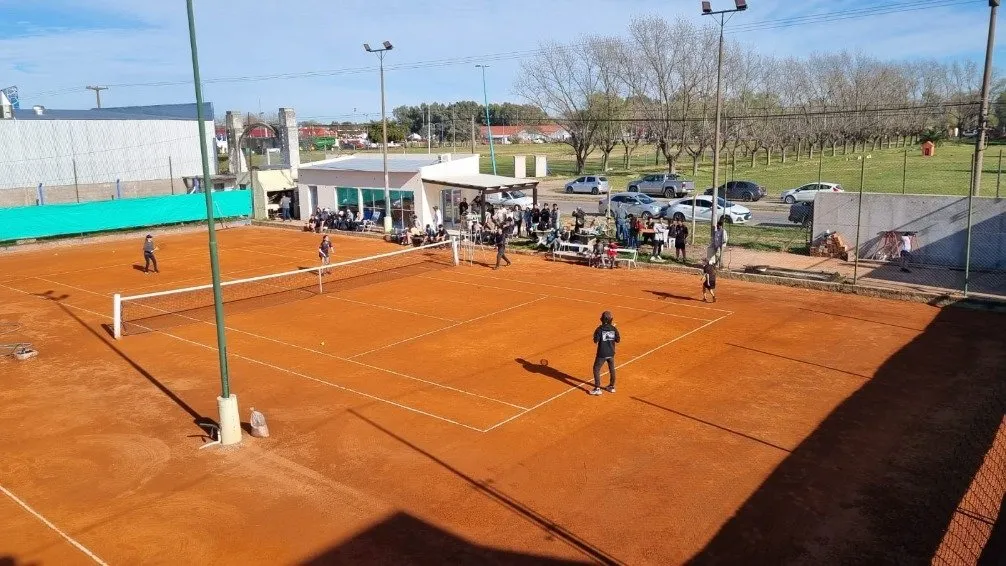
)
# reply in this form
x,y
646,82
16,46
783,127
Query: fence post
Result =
x,y
999,173
171,175
76,185
118,189
41,195
904,173
967,248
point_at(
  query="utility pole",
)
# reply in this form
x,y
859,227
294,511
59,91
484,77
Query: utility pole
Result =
x,y
473,134
707,10
983,117
429,130
454,132
97,92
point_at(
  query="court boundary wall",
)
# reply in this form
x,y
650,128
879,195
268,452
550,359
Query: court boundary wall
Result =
x,y
75,219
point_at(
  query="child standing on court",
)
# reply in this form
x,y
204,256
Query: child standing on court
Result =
x,y
325,252
148,254
605,336
708,279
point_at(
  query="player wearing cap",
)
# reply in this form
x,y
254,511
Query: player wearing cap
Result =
x,y
148,254
605,336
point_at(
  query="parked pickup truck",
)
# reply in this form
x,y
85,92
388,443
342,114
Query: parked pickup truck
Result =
x,y
667,185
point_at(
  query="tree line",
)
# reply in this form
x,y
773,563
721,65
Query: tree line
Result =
x,y
657,84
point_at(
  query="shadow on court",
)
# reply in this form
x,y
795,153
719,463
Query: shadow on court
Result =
x,y
403,539
203,423
666,295
12,561
882,478
544,369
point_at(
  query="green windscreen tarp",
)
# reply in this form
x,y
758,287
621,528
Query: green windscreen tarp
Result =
x,y
65,219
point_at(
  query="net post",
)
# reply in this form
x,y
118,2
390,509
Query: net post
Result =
x,y
117,316
454,250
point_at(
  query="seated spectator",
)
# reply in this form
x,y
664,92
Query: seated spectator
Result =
x,y
611,253
441,234
416,236
430,234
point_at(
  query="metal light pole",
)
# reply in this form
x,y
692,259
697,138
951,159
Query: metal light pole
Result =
x,y
384,133
227,404
983,117
707,10
489,126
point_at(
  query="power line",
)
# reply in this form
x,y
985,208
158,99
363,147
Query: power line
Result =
x,y
855,13
513,55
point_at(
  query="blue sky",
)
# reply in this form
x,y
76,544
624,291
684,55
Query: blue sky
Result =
x,y
52,49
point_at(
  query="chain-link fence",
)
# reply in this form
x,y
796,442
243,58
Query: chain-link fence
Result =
x,y
925,243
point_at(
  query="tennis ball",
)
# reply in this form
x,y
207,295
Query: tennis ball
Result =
x,y
323,343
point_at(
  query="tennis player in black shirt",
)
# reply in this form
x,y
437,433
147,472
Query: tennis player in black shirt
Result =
x,y
501,248
605,336
148,254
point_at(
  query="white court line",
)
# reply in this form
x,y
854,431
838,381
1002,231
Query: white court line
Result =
x,y
330,384
252,334
53,527
621,365
565,298
425,334
599,292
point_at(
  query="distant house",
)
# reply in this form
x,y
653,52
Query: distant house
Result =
x,y
525,134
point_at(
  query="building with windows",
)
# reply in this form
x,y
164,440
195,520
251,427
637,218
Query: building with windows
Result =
x,y
85,155
417,183
542,133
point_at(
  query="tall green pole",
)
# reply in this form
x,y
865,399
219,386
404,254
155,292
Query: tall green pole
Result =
x,y
859,220
218,303
489,126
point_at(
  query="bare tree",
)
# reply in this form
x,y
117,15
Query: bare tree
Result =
x,y
607,103
561,80
669,63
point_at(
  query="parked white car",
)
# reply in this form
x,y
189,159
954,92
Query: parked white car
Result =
x,y
682,210
809,192
593,184
510,198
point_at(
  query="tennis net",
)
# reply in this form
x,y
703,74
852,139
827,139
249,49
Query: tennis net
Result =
x,y
150,312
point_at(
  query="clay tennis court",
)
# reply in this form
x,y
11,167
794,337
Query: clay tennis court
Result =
x,y
439,414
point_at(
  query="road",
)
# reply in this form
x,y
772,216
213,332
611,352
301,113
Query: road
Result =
x,y
762,213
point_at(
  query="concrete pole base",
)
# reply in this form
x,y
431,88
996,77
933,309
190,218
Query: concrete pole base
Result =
x,y
388,227
230,420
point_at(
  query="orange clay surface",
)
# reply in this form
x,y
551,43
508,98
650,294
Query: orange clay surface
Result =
x,y
426,428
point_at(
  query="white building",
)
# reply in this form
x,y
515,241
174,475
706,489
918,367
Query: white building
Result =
x,y
417,183
82,148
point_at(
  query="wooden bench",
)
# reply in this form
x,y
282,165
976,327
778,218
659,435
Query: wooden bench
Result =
x,y
571,250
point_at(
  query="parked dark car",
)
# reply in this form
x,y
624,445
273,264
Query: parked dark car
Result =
x,y
747,191
802,213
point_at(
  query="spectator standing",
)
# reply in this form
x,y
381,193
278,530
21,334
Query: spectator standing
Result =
x,y
528,222
659,237
906,251
620,225
680,232
535,216
438,216
554,215
284,208
633,229
605,336
463,207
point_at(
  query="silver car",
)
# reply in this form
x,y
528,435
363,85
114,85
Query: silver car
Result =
x,y
593,184
637,204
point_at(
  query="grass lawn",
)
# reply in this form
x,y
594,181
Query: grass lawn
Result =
x,y
947,173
